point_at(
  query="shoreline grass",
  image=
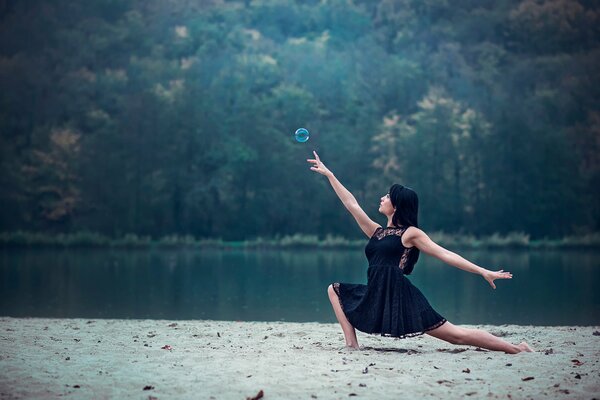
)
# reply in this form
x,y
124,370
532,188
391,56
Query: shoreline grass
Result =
x,y
514,240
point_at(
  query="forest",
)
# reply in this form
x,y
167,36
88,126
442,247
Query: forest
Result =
x,y
177,117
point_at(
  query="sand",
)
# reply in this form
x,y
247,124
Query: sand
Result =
x,y
146,359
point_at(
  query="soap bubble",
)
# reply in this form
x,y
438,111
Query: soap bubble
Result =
x,y
301,135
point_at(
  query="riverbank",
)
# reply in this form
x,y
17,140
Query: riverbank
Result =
x,y
158,359
514,240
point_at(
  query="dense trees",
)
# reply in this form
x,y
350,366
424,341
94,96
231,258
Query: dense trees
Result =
x,y
160,117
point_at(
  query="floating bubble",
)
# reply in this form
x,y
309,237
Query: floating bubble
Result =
x,y
301,135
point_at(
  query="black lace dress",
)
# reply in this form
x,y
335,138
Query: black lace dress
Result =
x,y
389,304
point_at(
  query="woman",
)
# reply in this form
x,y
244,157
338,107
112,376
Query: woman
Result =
x,y
390,304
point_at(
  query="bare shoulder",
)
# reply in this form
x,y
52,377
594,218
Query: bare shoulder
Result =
x,y
411,235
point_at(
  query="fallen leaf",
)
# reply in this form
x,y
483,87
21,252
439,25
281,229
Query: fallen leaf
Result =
x,y
577,376
167,347
351,394
509,365
366,370
76,386
527,378
596,333
453,351
470,393
362,385
148,387
466,371
259,395
173,325
577,362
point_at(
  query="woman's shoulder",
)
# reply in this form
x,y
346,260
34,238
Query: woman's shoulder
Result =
x,y
412,231
410,234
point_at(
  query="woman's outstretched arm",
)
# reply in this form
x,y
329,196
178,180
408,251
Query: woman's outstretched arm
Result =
x,y
367,225
416,237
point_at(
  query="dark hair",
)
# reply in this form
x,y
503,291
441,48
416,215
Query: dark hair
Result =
x,y
406,203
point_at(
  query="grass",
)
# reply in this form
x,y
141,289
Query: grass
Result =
x,y
514,240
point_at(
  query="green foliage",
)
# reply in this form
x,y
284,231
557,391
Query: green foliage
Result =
x,y
512,240
173,119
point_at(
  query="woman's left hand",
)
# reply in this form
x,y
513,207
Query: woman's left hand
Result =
x,y
490,276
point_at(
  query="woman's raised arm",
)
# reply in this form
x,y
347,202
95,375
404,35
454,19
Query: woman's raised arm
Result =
x,y
416,237
367,225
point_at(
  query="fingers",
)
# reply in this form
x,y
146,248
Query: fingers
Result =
x,y
316,155
504,274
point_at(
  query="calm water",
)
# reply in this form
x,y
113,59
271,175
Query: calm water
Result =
x,y
548,288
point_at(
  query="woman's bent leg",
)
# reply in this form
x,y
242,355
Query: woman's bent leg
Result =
x,y
347,328
475,337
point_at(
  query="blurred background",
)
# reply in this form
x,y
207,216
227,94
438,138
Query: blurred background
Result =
x,y
148,165
176,117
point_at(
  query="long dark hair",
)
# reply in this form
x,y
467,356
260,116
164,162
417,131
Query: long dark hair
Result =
x,y
406,203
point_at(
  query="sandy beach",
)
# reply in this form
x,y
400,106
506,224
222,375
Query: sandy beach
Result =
x,y
157,359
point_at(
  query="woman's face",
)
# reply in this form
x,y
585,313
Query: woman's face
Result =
x,y
385,206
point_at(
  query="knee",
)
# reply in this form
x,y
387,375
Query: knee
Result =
x,y
330,290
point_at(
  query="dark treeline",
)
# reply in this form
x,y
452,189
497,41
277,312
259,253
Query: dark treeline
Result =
x,y
161,117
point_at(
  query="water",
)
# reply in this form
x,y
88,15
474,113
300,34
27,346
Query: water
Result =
x,y
301,135
548,288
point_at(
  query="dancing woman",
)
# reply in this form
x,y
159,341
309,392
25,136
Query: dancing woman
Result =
x,y
389,304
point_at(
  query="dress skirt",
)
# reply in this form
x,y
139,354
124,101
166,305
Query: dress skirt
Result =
x,y
389,304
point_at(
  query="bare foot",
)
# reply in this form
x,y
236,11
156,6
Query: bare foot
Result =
x,y
352,347
525,347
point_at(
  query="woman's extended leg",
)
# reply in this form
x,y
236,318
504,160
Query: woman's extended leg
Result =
x,y
347,328
476,337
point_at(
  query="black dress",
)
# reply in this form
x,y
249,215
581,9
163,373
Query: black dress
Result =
x,y
389,304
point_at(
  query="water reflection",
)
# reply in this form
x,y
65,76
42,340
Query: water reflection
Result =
x,y
548,288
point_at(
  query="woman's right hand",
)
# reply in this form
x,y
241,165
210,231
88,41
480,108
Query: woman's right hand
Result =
x,y
318,165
